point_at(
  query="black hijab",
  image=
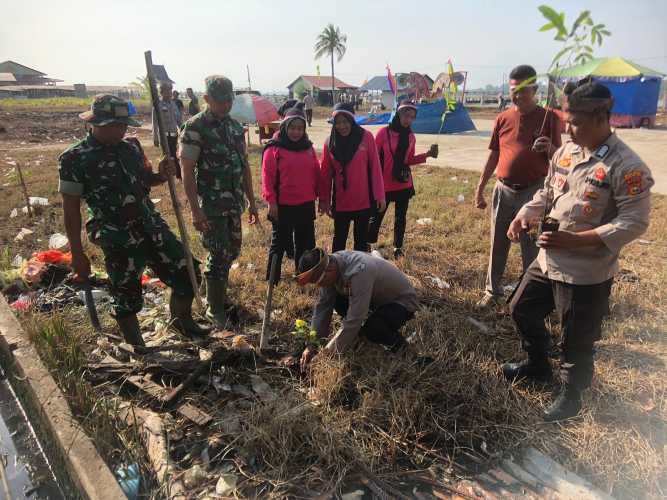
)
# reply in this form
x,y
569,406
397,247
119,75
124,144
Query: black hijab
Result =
x,y
282,140
400,171
342,148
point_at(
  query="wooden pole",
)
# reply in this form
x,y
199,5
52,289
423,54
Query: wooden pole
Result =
x,y
24,188
170,178
264,336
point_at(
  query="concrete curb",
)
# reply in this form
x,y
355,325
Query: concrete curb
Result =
x,y
79,468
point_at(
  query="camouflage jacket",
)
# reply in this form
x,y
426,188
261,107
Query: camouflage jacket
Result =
x,y
115,183
218,148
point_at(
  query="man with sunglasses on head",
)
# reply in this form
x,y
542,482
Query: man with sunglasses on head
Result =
x,y
217,179
112,175
524,138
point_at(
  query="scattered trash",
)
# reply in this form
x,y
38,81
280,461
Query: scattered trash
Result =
x,y
250,267
17,261
13,213
460,198
194,476
235,265
129,480
478,324
262,389
439,282
53,257
466,181
33,270
454,178
645,242
226,484
58,241
98,295
240,343
23,303
425,221
156,200
36,200
22,234
354,495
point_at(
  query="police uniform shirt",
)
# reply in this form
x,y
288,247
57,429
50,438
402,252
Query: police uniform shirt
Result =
x,y
607,190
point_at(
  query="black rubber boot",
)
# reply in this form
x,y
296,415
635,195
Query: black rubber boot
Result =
x,y
216,293
567,405
180,308
533,368
129,327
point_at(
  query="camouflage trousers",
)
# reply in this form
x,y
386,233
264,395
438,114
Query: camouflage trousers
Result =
x,y
223,241
160,251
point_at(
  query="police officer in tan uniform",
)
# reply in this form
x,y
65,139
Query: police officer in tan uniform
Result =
x,y
598,191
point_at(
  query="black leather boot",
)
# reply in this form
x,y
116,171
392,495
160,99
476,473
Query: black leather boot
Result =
x,y
567,404
533,368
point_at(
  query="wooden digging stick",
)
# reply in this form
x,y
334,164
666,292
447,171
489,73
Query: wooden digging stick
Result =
x,y
264,336
24,188
170,178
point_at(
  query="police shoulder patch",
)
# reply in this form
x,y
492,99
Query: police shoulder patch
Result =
x,y
633,182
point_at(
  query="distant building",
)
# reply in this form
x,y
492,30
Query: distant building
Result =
x,y
24,75
19,81
320,88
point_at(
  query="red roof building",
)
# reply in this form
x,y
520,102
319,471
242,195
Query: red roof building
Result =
x,y
319,87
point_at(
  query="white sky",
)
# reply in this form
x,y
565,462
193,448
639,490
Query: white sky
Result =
x,y
102,42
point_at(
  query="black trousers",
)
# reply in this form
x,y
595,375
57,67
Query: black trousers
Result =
x,y
400,220
580,310
309,117
294,229
383,324
172,142
342,221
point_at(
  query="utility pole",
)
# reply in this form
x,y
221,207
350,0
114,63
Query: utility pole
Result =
x,y
248,70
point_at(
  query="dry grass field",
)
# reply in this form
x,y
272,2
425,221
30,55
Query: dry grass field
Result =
x,y
372,410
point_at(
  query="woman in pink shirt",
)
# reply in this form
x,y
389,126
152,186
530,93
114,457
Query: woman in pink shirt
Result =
x,y
290,183
396,148
350,166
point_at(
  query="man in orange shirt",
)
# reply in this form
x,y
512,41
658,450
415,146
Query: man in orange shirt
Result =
x,y
523,140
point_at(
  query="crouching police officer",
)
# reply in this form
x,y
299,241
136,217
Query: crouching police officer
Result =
x,y
598,193
111,174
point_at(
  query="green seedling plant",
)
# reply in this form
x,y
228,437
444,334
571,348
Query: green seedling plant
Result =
x,y
578,40
305,334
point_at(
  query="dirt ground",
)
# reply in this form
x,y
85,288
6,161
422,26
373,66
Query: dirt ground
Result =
x,y
374,411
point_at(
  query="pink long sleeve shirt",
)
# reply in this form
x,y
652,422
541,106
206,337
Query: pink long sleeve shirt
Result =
x,y
387,142
298,173
355,197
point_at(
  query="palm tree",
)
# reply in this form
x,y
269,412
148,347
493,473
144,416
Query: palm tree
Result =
x,y
331,41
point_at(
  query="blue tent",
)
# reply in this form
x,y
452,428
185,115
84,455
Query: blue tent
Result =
x,y
428,120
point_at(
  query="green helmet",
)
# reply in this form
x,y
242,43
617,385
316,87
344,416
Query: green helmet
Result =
x,y
106,109
219,88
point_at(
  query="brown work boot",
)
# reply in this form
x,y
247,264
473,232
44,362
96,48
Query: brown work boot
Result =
x,y
487,301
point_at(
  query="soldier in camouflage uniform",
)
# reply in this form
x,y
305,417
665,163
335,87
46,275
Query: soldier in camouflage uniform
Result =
x,y
216,176
112,175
